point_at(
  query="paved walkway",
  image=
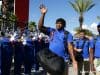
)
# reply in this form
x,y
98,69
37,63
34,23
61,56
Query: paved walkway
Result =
x,y
71,72
41,72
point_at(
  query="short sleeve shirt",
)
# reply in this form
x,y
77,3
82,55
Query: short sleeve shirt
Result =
x,y
84,45
57,41
97,47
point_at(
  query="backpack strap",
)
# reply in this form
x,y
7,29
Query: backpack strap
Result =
x,y
66,35
83,44
95,40
65,41
85,39
52,34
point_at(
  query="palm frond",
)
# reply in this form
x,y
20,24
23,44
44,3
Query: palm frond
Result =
x,y
91,6
75,7
78,4
84,5
88,3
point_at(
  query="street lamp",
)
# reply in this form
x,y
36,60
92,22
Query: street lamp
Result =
x,y
0,15
4,14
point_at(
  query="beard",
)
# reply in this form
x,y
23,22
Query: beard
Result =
x,y
60,28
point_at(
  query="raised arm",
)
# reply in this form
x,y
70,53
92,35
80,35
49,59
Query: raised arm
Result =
x,y
41,26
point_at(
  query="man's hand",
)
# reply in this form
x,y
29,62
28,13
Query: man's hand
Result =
x,y
43,9
92,68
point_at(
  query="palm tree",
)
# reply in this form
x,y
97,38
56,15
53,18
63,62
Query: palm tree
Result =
x,y
82,6
32,26
12,18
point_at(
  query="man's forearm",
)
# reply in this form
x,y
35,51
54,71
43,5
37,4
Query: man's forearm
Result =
x,y
70,49
91,59
41,21
91,56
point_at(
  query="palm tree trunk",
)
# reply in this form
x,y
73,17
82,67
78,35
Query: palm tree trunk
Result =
x,y
81,19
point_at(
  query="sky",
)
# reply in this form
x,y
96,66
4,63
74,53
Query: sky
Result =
x,y
62,9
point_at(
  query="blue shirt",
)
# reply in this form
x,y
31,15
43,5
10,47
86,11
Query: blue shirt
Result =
x,y
84,45
57,44
29,42
6,46
5,41
97,47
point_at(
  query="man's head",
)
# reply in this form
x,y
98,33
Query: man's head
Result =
x,y
60,23
82,34
98,28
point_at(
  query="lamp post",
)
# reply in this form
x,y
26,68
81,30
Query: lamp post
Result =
x,y
4,14
0,15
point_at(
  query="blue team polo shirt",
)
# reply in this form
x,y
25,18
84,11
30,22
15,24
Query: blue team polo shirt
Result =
x,y
87,44
97,47
57,42
5,40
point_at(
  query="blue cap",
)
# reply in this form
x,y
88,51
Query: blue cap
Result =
x,y
98,25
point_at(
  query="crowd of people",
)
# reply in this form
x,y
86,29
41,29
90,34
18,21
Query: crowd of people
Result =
x,y
23,48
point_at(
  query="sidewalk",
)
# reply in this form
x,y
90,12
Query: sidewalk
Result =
x,y
71,72
41,71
